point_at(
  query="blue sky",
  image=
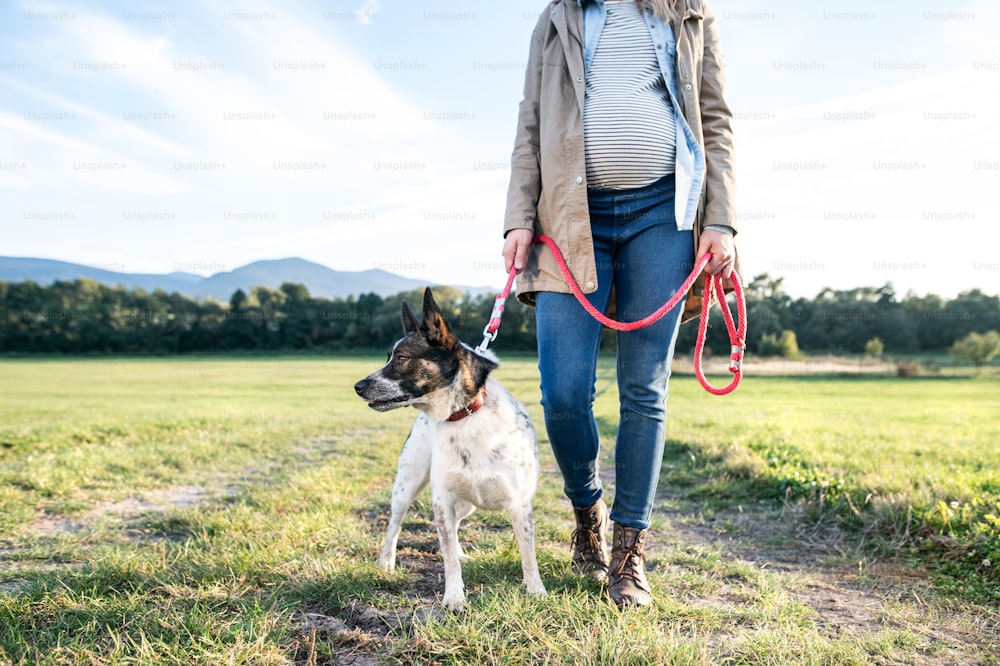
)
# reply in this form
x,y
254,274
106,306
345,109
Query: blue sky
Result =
x,y
201,136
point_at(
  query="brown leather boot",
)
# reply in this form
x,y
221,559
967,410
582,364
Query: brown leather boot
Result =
x,y
627,584
590,541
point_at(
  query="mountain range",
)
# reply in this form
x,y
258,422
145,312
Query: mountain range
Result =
x,y
320,280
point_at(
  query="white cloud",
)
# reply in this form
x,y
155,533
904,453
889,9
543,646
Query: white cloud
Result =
x,y
325,136
872,188
393,182
366,12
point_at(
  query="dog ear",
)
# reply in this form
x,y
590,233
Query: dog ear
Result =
x,y
410,321
434,326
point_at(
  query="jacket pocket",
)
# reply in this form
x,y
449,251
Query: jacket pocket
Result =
x,y
552,53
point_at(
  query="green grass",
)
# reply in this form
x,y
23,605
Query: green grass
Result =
x,y
911,464
230,510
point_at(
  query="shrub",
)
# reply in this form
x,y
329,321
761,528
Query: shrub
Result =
x,y
978,348
768,345
874,347
786,345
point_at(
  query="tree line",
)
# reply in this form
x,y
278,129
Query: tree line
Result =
x,y
84,316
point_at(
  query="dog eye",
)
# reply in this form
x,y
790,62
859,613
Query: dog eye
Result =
x,y
400,360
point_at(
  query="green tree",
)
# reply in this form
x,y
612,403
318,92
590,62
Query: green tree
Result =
x,y
979,348
971,312
768,345
299,326
237,300
874,347
784,345
235,332
788,345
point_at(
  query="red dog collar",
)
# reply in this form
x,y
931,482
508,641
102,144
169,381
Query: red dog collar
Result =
x,y
471,408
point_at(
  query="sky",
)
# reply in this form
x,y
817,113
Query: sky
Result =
x,y
200,136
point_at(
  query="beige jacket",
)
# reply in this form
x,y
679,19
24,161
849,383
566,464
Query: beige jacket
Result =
x,y
548,189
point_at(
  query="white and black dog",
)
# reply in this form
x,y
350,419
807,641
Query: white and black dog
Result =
x,y
472,441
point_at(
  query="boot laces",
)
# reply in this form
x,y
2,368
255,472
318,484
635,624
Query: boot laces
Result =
x,y
630,565
587,541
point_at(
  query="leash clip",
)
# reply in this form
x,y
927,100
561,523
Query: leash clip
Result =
x,y
488,337
493,325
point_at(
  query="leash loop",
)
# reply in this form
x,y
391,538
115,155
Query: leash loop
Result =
x,y
737,333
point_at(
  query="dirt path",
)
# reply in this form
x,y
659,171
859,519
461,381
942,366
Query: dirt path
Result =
x,y
847,592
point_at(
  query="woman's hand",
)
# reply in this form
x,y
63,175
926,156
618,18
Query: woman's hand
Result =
x,y
722,248
515,248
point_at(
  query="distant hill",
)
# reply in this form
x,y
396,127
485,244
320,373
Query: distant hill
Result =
x,y
318,279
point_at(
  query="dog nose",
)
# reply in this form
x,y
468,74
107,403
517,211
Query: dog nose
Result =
x,y
359,387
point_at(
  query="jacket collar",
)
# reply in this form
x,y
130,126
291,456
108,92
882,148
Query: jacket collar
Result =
x,y
567,17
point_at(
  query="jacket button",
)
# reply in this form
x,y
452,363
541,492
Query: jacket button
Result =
x,y
590,284
687,86
579,179
579,79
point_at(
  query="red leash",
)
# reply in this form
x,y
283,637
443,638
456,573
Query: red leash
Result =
x,y
737,334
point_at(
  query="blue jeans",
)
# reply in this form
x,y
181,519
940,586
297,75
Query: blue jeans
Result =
x,y
641,253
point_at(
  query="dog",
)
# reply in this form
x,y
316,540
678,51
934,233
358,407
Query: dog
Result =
x,y
473,441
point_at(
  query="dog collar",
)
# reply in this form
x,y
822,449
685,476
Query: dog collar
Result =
x,y
471,408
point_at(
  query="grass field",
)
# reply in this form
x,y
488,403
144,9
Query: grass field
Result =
x,y
229,511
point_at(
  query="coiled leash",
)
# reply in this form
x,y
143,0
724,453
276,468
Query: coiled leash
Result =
x,y
737,333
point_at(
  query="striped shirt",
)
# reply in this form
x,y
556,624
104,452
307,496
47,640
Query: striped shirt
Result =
x,y
628,119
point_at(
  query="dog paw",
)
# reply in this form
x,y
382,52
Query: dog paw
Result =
x,y
454,602
387,563
537,590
